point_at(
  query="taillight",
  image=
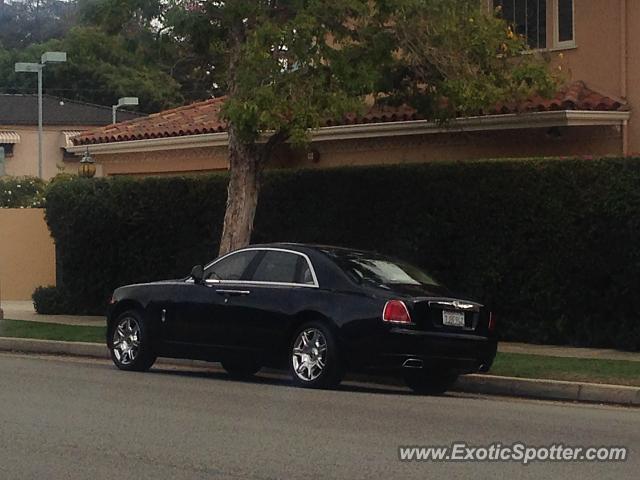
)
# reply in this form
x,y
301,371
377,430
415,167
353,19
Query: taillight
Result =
x,y
112,300
492,321
395,311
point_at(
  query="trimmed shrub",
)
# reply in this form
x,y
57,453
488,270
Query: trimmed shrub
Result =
x,y
553,246
22,192
51,301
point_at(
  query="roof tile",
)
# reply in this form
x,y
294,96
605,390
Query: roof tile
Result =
x,y
204,116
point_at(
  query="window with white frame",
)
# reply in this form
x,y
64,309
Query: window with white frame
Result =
x,y
527,18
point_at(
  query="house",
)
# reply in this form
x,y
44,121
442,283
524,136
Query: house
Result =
x,y
596,43
62,120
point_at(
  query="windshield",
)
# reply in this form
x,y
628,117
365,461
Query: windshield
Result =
x,y
380,270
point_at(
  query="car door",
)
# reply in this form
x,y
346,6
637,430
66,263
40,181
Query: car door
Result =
x,y
205,308
259,318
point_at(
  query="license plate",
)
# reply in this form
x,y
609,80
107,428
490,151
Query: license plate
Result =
x,y
452,319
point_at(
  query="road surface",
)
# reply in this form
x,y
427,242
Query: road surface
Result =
x,y
82,419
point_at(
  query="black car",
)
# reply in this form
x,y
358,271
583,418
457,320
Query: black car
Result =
x,y
319,310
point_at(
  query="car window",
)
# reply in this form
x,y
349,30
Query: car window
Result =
x,y
380,270
232,267
283,267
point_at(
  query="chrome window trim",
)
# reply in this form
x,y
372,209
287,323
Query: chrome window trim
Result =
x,y
262,282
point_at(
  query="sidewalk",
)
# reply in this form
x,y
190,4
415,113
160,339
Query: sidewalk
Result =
x,y
24,311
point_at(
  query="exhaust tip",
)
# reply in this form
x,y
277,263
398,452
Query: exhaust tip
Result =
x,y
413,363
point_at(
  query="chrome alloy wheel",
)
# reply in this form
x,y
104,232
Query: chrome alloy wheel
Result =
x,y
126,340
309,354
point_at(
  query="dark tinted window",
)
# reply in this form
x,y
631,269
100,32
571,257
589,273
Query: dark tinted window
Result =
x,y
232,267
367,267
565,20
283,267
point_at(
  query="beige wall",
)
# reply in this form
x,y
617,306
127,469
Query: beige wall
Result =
x,y
27,253
25,154
606,53
408,149
164,162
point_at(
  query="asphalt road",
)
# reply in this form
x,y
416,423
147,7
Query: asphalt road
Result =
x,y
81,419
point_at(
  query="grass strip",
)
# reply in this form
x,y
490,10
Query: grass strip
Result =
x,y
52,331
616,372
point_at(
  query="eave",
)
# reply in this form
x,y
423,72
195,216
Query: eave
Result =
x,y
519,121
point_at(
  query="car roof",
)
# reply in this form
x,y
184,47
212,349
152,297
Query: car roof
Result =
x,y
305,247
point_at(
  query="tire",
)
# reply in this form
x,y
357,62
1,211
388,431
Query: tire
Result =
x,y
241,369
130,343
314,357
426,382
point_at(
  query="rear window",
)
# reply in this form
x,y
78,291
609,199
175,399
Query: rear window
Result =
x,y
380,270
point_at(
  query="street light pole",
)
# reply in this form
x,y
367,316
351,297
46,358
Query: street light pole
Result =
x,y
47,57
40,121
122,102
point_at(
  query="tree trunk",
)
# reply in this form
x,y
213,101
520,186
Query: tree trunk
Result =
x,y
245,167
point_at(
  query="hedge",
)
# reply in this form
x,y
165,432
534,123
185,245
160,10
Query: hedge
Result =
x,y
553,246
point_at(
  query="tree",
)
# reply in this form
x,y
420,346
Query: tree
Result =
x,y
32,21
289,65
116,48
100,68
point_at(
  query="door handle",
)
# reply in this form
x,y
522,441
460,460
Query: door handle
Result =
x,y
233,293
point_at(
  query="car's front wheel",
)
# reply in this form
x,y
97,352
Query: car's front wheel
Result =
x,y
314,357
130,343
427,382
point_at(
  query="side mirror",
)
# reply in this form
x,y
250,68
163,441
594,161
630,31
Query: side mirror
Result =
x,y
197,273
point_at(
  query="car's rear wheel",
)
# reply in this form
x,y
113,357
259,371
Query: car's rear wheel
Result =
x,y
130,343
241,368
314,357
426,382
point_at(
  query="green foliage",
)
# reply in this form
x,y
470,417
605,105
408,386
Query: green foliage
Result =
x,y
291,66
51,301
552,246
27,21
21,192
100,68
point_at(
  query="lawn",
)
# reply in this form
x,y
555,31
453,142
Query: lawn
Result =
x,y
619,372
51,331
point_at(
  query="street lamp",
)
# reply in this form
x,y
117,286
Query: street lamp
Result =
x,y
47,57
123,102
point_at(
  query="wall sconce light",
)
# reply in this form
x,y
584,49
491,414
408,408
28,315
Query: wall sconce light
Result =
x,y
313,155
87,168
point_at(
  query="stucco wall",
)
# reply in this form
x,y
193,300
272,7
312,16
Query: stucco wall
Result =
x,y
164,162
598,57
387,150
25,154
27,253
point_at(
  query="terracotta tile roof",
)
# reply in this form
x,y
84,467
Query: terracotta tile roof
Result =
x,y
204,117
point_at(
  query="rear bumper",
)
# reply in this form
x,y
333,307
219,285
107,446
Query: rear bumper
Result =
x,y
400,349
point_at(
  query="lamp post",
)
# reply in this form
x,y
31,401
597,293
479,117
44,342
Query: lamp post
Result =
x,y
47,57
87,168
123,102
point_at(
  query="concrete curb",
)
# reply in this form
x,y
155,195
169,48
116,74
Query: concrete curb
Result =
x,y
483,384
54,347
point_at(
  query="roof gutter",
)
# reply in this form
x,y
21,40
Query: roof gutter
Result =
x,y
561,118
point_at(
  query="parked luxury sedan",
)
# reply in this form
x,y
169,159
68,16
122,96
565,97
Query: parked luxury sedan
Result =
x,y
321,311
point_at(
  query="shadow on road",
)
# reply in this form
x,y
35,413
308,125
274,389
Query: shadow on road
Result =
x,y
275,379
